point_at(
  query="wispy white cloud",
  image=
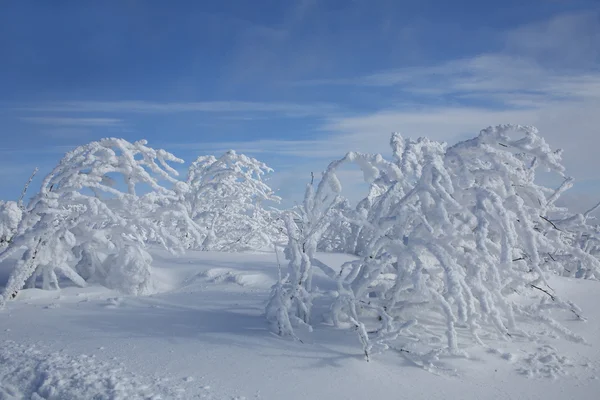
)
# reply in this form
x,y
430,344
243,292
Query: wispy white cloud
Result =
x,y
549,60
572,126
288,109
546,76
370,132
35,150
294,148
528,82
510,79
73,122
569,41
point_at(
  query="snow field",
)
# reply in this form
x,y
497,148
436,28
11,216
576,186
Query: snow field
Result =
x,y
205,337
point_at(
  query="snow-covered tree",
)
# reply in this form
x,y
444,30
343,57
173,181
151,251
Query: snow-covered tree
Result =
x,y
227,199
452,233
92,217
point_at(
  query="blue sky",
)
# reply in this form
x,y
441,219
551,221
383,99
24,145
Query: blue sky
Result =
x,y
294,83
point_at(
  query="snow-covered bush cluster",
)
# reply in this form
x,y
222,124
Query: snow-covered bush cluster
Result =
x,y
446,243
446,233
105,201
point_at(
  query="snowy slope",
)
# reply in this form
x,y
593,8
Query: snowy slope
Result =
x,y
205,336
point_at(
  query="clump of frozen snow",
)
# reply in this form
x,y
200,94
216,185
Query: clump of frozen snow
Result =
x,y
10,216
242,278
544,362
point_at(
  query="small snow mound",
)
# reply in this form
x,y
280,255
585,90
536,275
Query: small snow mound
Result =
x,y
26,372
216,273
545,362
242,278
113,302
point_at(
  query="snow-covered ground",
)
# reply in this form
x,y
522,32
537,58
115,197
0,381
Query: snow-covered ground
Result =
x,y
205,336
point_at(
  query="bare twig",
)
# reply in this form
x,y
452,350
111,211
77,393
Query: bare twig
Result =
x,y
554,299
591,210
550,222
24,192
545,291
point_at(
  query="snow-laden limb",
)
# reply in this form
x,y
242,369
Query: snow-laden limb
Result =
x,y
88,222
226,198
450,234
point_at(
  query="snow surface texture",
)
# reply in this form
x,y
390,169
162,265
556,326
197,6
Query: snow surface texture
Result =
x,y
205,337
31,373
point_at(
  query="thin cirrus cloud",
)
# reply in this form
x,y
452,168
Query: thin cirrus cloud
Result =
x,y
309,149
143,107
552,83
568,40
564,111
501,77
485,90
562,105
73,122
547,61
543,74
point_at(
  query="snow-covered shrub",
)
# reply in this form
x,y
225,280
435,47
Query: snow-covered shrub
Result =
x,y
10,216
89,223
291,299
226,199
448,234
